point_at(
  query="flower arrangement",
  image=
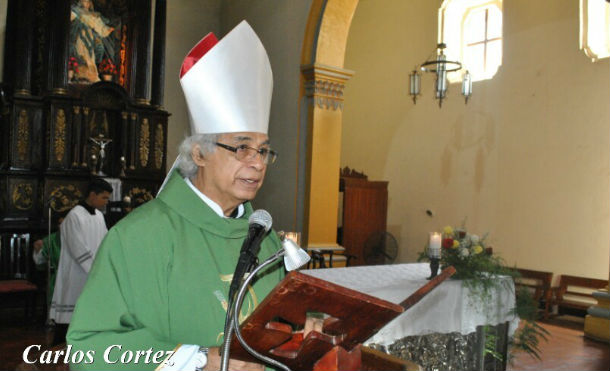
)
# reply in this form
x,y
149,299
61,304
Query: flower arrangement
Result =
x,y
73,64
470,256
477,267
107,67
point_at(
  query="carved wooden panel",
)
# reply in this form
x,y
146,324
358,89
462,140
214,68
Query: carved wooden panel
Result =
x,y
62,194
20,198
60,136
144,142
22,139
5,119
26,132
160,145
76,143
133,142
140,192
146,145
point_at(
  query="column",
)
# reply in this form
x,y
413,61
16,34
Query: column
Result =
x,y
142,52
23,47
158,67
57,77
324,92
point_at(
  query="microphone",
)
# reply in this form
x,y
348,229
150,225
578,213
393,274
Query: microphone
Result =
x,y
260,222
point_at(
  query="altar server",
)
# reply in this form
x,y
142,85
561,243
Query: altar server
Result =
x,y
162,275
81,233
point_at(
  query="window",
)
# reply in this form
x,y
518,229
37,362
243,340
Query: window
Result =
x,y
595,28
472,30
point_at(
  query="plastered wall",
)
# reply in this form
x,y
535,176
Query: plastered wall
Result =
x,y
526,160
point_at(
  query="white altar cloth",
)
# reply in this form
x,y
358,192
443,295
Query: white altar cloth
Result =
x,y
447,308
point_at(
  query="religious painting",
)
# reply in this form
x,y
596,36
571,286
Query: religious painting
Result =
x,y
97,44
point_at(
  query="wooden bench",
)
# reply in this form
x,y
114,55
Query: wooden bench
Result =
x,y
575,294
539,283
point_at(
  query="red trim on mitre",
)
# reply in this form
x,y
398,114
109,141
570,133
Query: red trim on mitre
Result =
x,y
198,51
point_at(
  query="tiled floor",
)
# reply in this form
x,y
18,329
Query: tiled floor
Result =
x,y
566,349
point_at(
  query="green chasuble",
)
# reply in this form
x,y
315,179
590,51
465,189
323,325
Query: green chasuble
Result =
x,y
51,247
161,278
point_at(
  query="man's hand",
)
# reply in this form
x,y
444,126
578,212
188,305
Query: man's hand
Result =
x,y
37,245
234,365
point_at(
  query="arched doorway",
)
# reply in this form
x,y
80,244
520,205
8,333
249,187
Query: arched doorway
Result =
x,y
323,79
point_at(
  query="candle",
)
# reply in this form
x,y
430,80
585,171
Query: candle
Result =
x,y
434,245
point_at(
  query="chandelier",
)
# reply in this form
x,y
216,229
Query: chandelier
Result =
x,y
440,66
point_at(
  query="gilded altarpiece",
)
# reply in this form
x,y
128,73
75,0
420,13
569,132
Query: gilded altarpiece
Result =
x,y
81,97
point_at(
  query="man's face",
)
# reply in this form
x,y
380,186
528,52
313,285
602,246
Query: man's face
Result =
x,y
227,180
98,200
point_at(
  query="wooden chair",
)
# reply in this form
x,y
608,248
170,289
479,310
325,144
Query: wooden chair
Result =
x,y
575,294
539,283
318,259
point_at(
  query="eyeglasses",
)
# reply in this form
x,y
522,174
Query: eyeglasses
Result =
x,y
246,153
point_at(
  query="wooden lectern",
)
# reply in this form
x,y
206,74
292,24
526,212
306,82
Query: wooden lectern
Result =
x,y
351,317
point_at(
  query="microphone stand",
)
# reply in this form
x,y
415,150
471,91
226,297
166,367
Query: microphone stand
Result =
x,y
228,328
247,260
48,268
48,321
234,321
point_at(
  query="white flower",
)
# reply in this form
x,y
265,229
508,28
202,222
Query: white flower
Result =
x,y
463,252
475,239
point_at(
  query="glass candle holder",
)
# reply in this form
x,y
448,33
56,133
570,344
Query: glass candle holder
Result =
x,y
294,236
434,245
434,253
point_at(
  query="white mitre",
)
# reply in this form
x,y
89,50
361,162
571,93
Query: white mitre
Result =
x,y
228,89
227,84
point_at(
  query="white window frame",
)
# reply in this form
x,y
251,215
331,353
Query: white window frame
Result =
x,y
595,22
451,31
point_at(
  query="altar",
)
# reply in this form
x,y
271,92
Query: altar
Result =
x,y
446,328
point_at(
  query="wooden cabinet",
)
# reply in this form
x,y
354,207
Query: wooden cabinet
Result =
x,y
364,212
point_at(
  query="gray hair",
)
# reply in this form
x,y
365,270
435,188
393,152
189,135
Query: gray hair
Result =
x,y
206,143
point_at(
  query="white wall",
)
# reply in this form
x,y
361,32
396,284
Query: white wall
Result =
x,y
527,159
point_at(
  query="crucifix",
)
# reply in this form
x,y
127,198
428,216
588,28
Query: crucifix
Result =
x,y
101,143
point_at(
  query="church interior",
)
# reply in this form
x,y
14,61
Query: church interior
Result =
x,y
365,162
